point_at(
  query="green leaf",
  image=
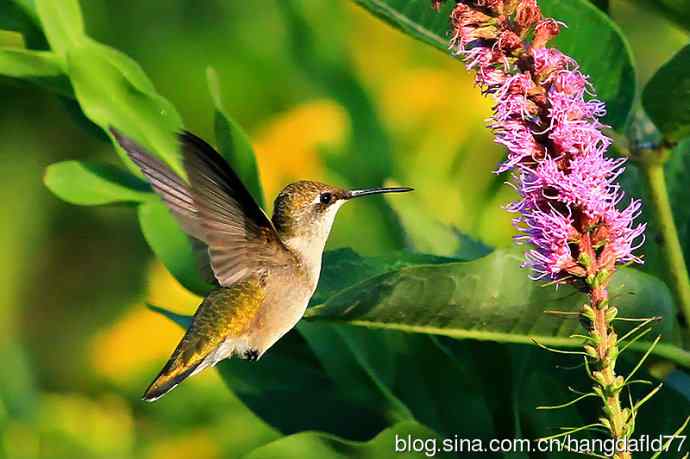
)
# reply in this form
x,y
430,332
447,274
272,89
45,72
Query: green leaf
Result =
x,y
109,97
415,18
171,245
404,376
234,145
591,38
62,23
601,50
110,87
492,299
40,67
677,11
603,5
666,98
21,63
343,268
387,444
91,184
21,16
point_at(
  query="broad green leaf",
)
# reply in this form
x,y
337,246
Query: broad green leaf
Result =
x,y
666,98
22,63
405,376
386,369
388,444
113,91
110,87
40,67
62,23
109,98
427,376
233,143
603,5
415,18
343,268
492,299
171,245
289,390
591,38
90,184
677,11
21,16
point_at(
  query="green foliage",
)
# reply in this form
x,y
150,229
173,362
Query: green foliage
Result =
x,y
112,90
591,38
677,11
601,50
487,299
403,344
233,143
367,159
40,67
21,16
290,380
91,184
317,445
415,18
171,245
666,97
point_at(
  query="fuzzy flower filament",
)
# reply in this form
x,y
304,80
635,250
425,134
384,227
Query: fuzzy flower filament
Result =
x,y
571,210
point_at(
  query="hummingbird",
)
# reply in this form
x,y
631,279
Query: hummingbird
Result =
x,y
264,270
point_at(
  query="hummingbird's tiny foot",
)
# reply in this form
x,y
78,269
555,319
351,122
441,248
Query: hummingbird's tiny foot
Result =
x,y
251,354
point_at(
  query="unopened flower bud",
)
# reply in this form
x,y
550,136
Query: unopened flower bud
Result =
x,y
591,351
611,314
545,31
527,13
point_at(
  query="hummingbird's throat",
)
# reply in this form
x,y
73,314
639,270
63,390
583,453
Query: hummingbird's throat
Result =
x,y
309,241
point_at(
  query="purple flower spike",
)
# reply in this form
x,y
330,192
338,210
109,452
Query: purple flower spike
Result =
x,y
548,120
569,212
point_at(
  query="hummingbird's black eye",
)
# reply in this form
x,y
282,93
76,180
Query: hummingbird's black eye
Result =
x,y
326,198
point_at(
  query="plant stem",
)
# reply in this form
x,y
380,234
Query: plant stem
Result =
x,y
653,171
604,353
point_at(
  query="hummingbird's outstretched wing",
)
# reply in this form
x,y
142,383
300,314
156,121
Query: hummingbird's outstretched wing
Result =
x,y
166,183
214,209
175,194
241,238
215,333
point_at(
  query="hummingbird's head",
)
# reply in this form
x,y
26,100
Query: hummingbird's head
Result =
x,y
305,210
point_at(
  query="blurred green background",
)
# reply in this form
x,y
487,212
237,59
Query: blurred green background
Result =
x,y
77,344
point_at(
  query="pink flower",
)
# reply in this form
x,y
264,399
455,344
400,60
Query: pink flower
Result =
x,y
548,120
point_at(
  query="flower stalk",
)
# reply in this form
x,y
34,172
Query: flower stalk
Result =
x,y
652,166
569,210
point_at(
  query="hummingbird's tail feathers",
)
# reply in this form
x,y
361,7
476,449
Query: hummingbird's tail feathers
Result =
x,y
168,379
166,183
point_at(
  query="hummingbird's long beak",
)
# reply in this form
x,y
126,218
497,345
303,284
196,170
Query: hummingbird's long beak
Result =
x,y
369,191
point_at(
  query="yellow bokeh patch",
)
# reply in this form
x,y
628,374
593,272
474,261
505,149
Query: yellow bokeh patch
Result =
x,y
287,148
197,444
141,336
